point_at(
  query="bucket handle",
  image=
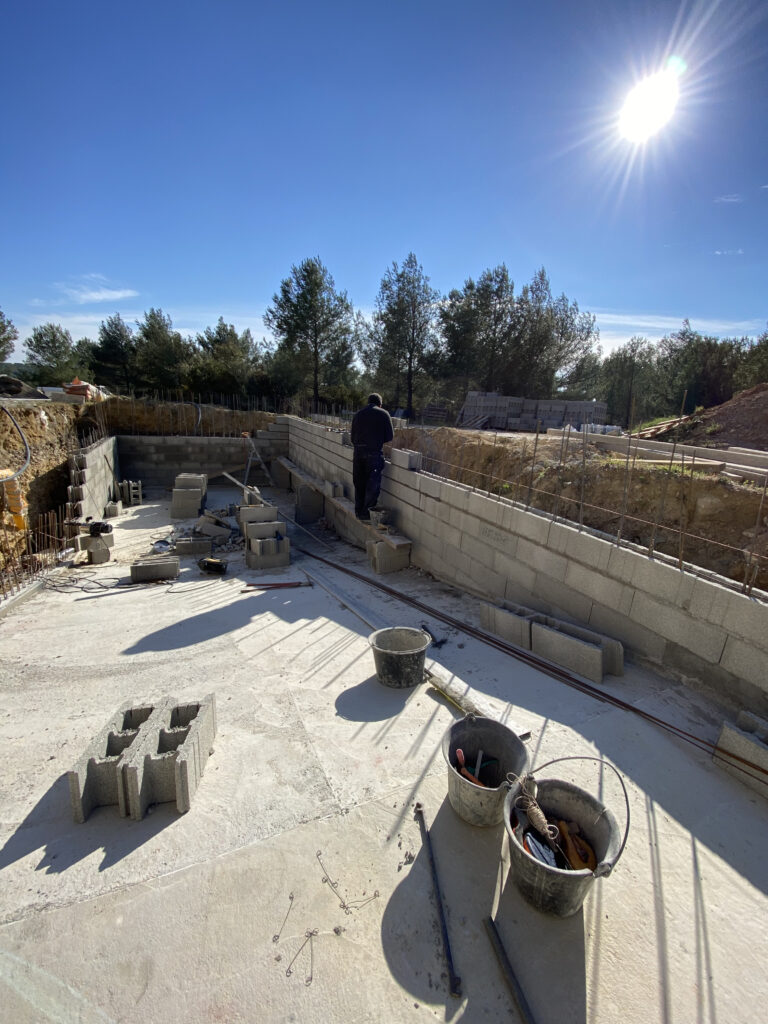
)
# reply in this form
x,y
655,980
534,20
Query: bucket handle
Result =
x,y
605,867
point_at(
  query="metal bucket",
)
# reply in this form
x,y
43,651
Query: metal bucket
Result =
x,y
482,805
554,890
398,653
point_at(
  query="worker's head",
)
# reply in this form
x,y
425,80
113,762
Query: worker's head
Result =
x,y
374,399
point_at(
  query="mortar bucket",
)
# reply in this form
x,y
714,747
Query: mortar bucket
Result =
x,y
557,891
482,805
398,653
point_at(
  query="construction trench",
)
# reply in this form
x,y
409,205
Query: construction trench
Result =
x,y
283,861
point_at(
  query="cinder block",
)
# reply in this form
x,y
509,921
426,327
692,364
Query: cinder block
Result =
x,y
255,531
385,559
112,509
88,543
747,739
281,474
514,628
634,636
193,546
96,780
706,639
405,459
745,660
577,656
256,514
169,760
98,556
166,567
210,529
193,481
310,504
259,561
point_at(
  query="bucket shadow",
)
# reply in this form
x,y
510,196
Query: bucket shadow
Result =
x,y
547,953
49,827
371,701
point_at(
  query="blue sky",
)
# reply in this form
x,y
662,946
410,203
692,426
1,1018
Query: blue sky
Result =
x,y
185,155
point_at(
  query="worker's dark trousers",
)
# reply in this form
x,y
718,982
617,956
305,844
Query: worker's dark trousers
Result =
x,y
367,468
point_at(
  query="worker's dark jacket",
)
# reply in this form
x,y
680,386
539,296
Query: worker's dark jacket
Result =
x,y
371,429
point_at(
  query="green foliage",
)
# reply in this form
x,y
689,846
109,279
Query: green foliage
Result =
x,y
311,320
163,357
402,336
754,364
50,355
114,356
225,361
628,382
8,334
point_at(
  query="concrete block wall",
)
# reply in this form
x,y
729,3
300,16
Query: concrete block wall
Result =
x,y
694,627
156,461
93,474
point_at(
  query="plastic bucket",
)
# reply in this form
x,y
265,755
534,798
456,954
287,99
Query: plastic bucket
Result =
x,y
482,805
398,653
554,890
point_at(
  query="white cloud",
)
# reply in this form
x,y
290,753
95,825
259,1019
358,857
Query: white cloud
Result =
x,y
84,296
732,197
618,328
728,252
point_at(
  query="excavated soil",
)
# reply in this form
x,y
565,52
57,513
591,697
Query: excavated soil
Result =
x,y
701,518
741,422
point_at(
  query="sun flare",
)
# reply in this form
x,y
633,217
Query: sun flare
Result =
x,y
650,105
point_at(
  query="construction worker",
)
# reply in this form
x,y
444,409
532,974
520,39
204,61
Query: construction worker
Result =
x,y
371,430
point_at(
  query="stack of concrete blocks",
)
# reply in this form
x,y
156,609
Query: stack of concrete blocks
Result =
x,y
130,492
98,548
745,741
580,650
93,480
690,626
188,498
144,755
267,547
505,412
163,567
113,509
156,460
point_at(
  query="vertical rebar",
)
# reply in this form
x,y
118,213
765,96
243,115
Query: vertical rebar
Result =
x,y
533,463
583,473
748,584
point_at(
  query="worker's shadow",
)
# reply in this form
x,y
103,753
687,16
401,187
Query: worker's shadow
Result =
x,y
49,827
546,953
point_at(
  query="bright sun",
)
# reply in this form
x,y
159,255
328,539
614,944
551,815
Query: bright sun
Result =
x,y
650,105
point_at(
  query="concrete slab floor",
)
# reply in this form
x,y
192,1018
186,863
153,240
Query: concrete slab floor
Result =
x,y
300,852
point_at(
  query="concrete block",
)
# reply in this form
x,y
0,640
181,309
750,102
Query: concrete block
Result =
x,y
211,529
255,531
580,546
88,543
331,489
169,760
405,459
524,523
597,587
256,514
559,599
254,560
432,486
385,559
515,629
165,567
706,639
745,660
310,504
541,559
746,740
281,474
113,509
193,546
193,481
482,507
456,495
96,780
632,635
98,556
584,659
657,577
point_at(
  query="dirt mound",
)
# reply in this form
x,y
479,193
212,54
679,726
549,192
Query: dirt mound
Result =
x,y
741,422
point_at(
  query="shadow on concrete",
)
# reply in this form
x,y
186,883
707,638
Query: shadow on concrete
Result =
x,y
547,953
49,827
370,701
216,622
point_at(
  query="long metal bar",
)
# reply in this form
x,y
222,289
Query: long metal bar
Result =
x,y
509,975
453,978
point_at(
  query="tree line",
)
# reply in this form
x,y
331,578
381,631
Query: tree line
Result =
x,y
420,349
